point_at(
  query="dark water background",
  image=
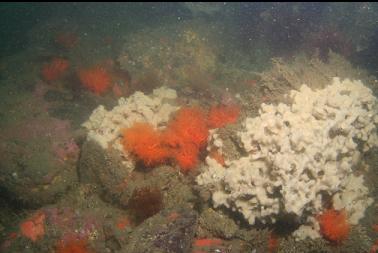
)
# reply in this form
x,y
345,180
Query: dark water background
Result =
x,y
284,26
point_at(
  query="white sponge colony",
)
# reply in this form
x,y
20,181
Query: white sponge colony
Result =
x,y
297,151
104,126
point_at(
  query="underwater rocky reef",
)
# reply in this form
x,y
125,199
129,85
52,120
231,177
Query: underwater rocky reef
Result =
x,y
190,128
